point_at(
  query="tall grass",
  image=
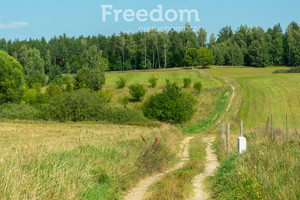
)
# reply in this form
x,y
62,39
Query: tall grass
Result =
x,y
43,160
268,170
220,93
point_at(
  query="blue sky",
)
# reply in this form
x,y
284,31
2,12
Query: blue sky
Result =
x,y
36,18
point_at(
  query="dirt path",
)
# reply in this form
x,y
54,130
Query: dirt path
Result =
x,y
139,191
235,102
233,93
211,165
202,73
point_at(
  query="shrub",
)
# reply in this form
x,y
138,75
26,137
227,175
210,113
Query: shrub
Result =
x,y
171,105
80,105
153,82
137,91
198,86
92,78
124,101
19,111
121,115
107,95
34,96
85,105
168,82
121,83
53,90
68,87
291,70
187,82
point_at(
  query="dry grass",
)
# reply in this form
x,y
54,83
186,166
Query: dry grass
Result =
x,y
78,161
268,170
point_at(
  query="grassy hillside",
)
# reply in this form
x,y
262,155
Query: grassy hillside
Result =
x,y
269,169
264,94
79,161
211,100
49,160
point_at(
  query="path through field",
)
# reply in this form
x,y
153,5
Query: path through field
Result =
x,y
211,165
141,188
232,110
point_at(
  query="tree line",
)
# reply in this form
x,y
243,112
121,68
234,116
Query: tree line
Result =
x,y
152,50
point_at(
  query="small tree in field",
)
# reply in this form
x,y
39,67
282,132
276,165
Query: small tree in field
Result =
x,y
171,105
89,78
137,91
153,82
198,86
187,82
124,101
121,83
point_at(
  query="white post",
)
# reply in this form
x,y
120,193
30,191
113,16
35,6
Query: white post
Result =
x,y
242,142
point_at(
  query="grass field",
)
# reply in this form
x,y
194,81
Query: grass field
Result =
x,y
209,100
79,161
265,93
270,168
48,160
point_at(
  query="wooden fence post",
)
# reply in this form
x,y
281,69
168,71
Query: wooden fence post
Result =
x,y
222,128
267,125
227,138
287,129
272,126
241,128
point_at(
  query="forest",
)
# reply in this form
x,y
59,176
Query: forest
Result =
x,y
152,50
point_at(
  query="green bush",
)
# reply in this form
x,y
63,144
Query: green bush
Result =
x,y
137,91
168,82
171,105
198,86
107,95
153,82
68,87
80,105
53,90
187,82
121,83
124,101
19,111
291,70
121,115
34,96
89,78
85,105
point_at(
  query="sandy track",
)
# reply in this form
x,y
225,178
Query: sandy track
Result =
x,y
202,73
235,102
211,165
139,191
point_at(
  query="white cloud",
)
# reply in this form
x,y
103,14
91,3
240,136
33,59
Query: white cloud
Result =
x,y
13,25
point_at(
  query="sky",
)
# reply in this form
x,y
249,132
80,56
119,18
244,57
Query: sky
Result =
x,y
23,19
